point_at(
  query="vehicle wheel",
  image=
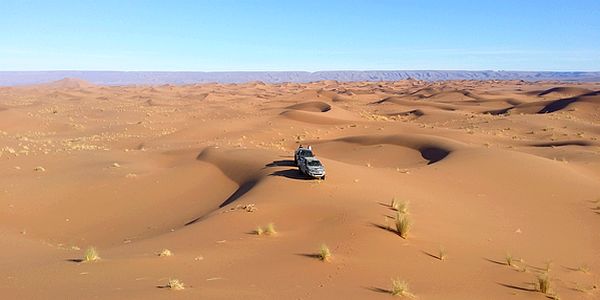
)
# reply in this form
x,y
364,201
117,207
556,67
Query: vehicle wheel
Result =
x,y
323,178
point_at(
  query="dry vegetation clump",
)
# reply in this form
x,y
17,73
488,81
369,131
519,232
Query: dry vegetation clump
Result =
x,y
400,206
91,255
403,224
400,288
165,252
512,261
584,269
247,207
442,254
259,230
324,253
509,260
267,230
175,284
543,284
547,266
270,229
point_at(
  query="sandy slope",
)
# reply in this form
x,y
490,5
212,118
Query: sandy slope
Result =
x,y
489,168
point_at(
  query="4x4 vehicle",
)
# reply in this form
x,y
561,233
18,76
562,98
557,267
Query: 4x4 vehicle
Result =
x,y
312,166
301,153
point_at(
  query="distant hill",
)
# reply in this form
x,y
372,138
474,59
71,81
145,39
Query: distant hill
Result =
x,y
69,83
11,78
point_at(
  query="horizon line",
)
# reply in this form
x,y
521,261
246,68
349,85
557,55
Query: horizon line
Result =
x,y
306,71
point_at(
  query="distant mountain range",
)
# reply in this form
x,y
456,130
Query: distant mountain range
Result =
x,y
12,78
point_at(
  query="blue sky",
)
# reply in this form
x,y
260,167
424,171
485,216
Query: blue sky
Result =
x,y
300,35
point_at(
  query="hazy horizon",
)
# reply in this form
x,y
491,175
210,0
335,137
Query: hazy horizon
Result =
x,y
305,71
8,78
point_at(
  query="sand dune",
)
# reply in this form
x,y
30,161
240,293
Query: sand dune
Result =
x,y
564,92
489,168
432,149
550,106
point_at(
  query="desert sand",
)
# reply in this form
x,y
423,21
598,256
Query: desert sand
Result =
x,y
491,172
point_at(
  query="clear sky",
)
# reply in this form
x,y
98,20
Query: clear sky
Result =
x,y
224,35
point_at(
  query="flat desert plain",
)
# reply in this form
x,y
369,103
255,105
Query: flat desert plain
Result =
x,y
495,186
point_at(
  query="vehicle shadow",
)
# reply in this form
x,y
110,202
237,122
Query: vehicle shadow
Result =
x,y
281,163
291,173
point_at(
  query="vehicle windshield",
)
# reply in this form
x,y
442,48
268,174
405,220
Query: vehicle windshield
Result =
x,y
314,163
306,153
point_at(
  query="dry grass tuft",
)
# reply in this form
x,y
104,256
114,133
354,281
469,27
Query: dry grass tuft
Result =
x,y
442,254
270,229
259,230
548,266
582,289
165,252
403,224
324,253
543,284
400,288
175,285
584,269
509,260
91,255
400,206
267,230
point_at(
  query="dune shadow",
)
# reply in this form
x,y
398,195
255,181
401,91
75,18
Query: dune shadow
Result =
x,y
497,112
433,154
243,189
312,106
562,143
557,105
